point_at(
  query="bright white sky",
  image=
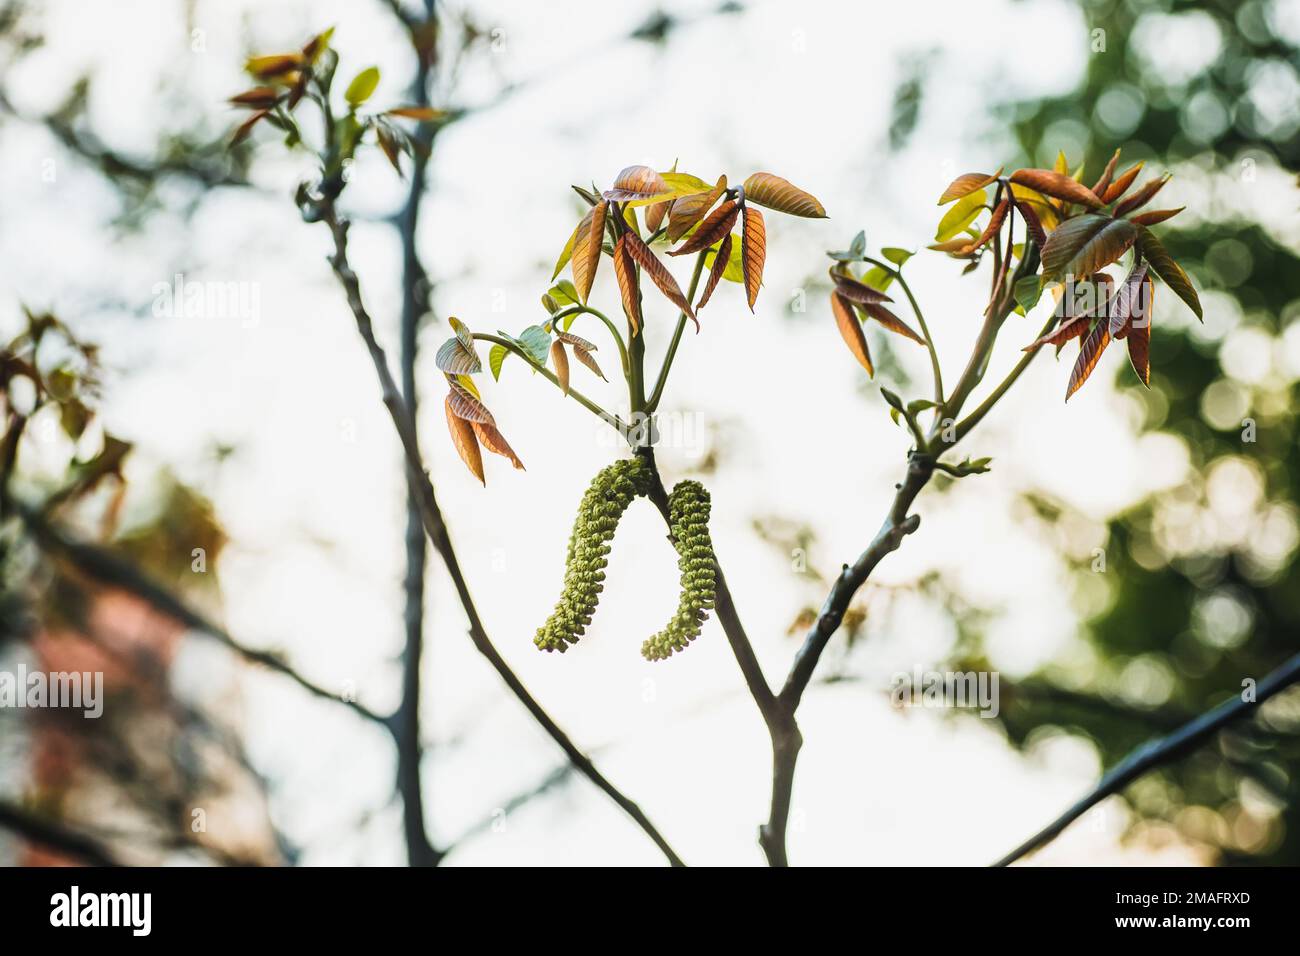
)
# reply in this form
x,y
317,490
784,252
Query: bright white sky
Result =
x,y
313,498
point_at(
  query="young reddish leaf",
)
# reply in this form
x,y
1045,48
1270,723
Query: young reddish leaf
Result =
x,y
753,252
1085,244
1120,186
260,97
1091,351
560,359
1143,195
462,436
966,184
719,266
577,341
246,127
654,215
717,225
1056,185
1032,222
1139,343
858,292
1155,216
495,442
686,211
891,321
1170,272
584,356
276,65
464,404
388,143
995,223
1099,188
636,182
586,250
779,194
851,330
1131,300
625,272
658,274
425,114
1070,329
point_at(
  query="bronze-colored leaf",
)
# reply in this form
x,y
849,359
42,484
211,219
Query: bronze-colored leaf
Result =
x,y
577,341
636,182
1120,186
753,249
713,228
1032,222
246,127
495,442
389,145
584,356
424,114
560,359
1139,345
654,215
1155,216
1056,185
995,223
857,292
715,272
260,97
463,404
966,184
1129,302
273,66
1089,354
851,330
1070,329
686,211
658,274
1101,185
1142,196
586,250
462,436
891,321
625,272
1086,244
783,196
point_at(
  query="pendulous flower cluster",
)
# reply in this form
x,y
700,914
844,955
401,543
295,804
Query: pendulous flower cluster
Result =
x,y
689,508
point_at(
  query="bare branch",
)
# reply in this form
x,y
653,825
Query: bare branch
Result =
x,y
1162,750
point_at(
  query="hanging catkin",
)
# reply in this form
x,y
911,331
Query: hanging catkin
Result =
x,y
606,498
689,520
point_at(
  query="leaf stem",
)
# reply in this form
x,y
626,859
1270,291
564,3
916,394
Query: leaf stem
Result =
x,y
574,394
613,329
658,392
920,319
984,407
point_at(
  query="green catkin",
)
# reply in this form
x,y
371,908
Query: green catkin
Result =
x,y
603,504
689,520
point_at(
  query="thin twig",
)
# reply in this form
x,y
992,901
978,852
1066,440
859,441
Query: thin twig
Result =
x,y
1163,750
436,529
55,835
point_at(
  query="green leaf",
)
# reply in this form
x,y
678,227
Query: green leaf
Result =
x,y
892,399
856,251
495,357
962,214
1028,291
916,406
896,255
878,278
735,271
362,85
536,341
1170,272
